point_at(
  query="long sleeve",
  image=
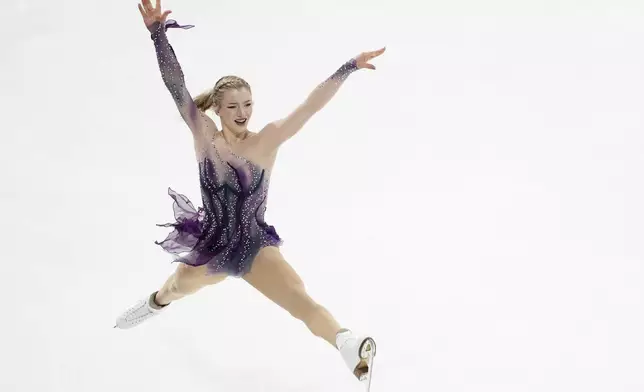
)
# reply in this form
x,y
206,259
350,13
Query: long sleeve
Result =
x,y
172,74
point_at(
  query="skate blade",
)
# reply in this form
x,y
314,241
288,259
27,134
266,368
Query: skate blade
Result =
x,y
367,354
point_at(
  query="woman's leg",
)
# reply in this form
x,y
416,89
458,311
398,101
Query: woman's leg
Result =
x,y
278,281
184,281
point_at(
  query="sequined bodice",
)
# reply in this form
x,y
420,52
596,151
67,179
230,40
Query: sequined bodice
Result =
x,y
234,193
239,175
229,230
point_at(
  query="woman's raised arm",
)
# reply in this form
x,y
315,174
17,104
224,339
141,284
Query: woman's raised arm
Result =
x,y
156,22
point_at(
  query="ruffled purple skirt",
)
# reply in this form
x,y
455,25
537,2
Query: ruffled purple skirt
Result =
x,y
231,251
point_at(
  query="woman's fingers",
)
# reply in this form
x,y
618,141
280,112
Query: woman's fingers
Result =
x,y
143,13
375,53
364,58
148,6
154,13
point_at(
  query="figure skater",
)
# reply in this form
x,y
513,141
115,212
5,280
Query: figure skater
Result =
x,y
228,235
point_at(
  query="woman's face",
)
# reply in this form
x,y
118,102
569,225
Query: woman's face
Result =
x,y
236,109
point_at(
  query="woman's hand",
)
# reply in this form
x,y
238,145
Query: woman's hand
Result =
x,y
151,15
362,60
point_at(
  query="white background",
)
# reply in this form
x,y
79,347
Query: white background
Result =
x,y
475,203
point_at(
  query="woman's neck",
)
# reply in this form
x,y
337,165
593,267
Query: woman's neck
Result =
x,y
232,137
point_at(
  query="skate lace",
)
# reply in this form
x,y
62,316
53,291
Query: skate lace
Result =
x,y
349,340
138,312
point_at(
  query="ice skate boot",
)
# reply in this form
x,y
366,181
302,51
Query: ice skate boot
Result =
x,y
141,311
358,353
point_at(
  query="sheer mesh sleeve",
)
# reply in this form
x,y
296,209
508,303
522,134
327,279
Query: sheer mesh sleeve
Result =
x,y
173,77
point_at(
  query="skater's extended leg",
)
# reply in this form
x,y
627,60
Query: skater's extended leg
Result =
x,y
278,281
184,281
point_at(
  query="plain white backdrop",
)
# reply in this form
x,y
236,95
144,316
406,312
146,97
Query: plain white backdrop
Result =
x,y
475,204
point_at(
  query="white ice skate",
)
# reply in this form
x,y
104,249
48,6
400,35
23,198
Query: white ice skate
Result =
x,y
358,353
141,311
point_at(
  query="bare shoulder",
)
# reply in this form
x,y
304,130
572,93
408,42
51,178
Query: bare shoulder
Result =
x,y
258,151
269,126
261,136
258,142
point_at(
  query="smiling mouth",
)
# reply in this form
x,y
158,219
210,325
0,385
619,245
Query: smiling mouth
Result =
x,y
241,122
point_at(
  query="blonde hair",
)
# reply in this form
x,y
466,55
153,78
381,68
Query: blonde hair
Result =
x,y
212,98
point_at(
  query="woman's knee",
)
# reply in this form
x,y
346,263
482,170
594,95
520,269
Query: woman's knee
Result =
x,y
301,305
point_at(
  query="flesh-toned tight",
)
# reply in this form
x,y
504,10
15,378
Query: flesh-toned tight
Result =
x,y
272,276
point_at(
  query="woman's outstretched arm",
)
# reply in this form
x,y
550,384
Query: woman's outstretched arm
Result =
x,y
279,131
171,71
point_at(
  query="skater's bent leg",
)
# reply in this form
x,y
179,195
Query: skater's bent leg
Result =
x,y
278,281
184,281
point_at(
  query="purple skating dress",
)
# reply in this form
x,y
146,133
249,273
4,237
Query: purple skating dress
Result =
x,y
229,230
